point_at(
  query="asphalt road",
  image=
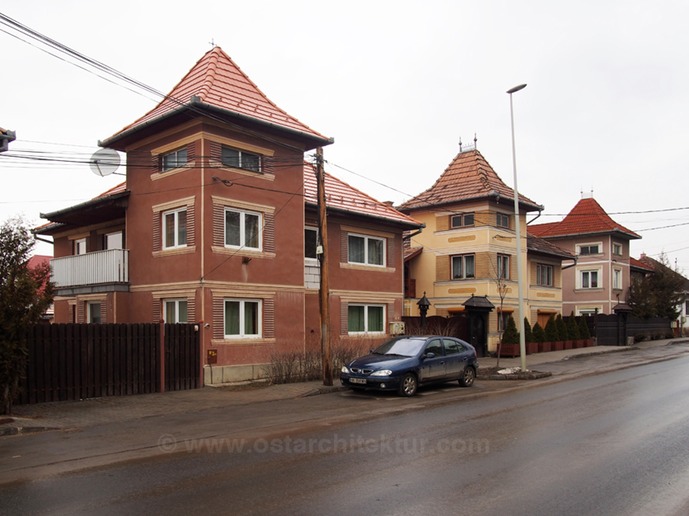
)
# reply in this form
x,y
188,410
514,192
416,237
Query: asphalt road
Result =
x,y
614,443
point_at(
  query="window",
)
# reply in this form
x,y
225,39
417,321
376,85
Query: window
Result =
x,y
240,159
175,228
310,243
365,318
112,240
80,246
544,275
462,220
503,220
617,279
452,347
463,266
242,318
242,229
174,159
589,249
589,279
175,311
367,250
93,312
617,249
503,266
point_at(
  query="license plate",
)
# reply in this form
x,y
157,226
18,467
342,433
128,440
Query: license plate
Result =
x,y
357,380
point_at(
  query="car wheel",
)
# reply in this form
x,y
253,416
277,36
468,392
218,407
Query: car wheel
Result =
x,y
408,385
468,377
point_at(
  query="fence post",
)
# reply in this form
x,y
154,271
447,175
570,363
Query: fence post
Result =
x,y
162,355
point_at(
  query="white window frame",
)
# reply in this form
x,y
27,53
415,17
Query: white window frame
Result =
x,y
176,243
587,273
94,307
80,246
367,239
463,258
176,305
242,229
172,160
242,334
617,246
503,262
465,220
545,272
240,159
366,308
114,240
598,245
617,279
311,259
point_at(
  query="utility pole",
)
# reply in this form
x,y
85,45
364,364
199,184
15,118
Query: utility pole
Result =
x,y
323,256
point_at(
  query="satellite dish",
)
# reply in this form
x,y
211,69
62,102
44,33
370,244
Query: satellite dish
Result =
x,y
104,162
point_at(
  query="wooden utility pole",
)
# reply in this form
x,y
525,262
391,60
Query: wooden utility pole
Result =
x,y
323,257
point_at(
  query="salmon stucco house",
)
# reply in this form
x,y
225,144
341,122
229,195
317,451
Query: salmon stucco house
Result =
x,y
217,225
599,279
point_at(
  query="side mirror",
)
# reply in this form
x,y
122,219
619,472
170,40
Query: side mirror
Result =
x,y
430,354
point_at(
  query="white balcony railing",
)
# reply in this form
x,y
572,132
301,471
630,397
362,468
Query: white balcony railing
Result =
x,y
111,266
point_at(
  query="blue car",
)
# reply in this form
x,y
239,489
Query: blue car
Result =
x,y
403,363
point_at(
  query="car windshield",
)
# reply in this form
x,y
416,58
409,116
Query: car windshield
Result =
x,y
404,347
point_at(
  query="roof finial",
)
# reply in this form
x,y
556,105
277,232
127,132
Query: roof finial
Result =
x,y
212,42
460,144
475,140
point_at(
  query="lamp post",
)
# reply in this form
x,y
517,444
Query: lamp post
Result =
x,y
517,225
424,305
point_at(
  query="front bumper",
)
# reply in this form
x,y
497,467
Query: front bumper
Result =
x,y
380,383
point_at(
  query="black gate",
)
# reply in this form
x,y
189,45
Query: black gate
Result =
x,y
182,357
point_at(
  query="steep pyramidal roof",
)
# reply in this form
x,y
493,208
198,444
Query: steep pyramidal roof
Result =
x,y
586,217
216,82
468,177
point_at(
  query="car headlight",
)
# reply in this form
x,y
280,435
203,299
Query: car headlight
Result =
x,y
344,369
382,372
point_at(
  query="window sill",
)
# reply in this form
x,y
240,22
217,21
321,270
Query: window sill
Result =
x,y
242,252
190,249
370,268
242,341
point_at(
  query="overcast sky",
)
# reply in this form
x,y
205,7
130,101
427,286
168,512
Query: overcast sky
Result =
x,y
395,83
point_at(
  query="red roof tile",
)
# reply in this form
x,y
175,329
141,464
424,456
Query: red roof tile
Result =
x,y
342,197
585,218
468,177
216,81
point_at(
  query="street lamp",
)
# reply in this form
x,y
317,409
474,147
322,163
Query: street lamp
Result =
x,y
517,224
424,305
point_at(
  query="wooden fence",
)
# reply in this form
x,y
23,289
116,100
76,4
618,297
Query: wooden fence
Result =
x,y
78,361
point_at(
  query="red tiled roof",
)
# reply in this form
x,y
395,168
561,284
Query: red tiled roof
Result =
x,y
216,81
342,197
468,177
539,245
38,259
585,218
633,262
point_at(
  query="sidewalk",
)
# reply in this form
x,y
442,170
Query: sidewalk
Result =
x,y
79,414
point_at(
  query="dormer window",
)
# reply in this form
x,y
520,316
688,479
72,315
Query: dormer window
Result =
x,y
240,159
174,159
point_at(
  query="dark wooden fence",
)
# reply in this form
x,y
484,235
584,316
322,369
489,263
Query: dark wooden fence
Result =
x,y
78,361
617,329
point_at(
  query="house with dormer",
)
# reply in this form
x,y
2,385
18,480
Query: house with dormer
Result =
x,y
599,279
217,224
466,257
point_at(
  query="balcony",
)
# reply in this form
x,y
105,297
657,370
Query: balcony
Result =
x,y
101,271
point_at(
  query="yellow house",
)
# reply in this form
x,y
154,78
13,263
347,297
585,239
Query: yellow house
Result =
x,y
465,258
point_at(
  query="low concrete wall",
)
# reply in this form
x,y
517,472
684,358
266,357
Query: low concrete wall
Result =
x,y
218,374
